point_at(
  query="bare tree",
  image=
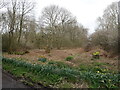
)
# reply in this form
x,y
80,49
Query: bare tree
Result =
x,y
25,8
12,21
3,4
15,20
54,20
58,28
107,30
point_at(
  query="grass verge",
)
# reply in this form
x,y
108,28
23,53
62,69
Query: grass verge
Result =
x,y
53,76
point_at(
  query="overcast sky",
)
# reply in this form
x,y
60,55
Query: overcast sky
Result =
x,y
86,11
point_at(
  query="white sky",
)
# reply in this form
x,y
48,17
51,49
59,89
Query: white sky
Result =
x,y
86,11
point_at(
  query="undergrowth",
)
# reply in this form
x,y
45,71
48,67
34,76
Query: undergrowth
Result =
x,y
52,75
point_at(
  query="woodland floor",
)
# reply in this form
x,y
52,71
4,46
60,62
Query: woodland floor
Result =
x,y
80,57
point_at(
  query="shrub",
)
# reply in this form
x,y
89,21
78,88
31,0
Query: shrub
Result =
x,y
42,59
19,53
69,58
96,55
26,51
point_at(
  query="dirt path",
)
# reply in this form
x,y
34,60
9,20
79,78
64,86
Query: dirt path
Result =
x,y
9,82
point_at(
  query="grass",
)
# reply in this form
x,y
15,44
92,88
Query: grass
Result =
x,y
20,72
0,63
95,67
58,64
53,75
99,63
0,60
69,58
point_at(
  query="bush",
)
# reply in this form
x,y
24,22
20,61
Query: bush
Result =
x,y
19,53
26,51
96,55
69,58
42,59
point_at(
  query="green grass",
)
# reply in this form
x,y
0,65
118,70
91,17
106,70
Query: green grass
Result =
x,y
58,64
20,72
69,58
99,63
0,60
53,75
95,67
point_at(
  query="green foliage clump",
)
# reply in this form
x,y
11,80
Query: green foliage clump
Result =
x,y
42,59
19,53
51,75
58,64
96,55
69,58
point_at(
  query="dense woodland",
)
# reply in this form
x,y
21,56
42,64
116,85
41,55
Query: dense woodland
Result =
x,y
56,28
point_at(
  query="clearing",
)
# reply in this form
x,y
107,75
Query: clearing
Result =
x,y
80,57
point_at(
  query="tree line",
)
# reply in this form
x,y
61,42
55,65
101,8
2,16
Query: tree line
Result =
x,y
56,28
106,34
